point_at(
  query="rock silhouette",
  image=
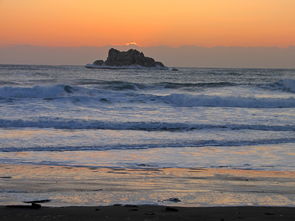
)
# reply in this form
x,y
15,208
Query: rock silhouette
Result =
x,y
131,58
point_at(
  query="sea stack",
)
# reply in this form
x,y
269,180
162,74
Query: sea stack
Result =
x,y
126,59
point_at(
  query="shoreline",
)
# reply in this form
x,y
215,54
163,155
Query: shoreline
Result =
x,y
189,187
145,212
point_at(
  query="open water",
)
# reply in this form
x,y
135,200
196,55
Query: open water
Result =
x,y
191,118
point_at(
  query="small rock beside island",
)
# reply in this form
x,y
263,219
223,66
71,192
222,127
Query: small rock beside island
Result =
x,y
127,59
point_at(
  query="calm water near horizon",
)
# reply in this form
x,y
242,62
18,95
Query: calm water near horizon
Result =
x,y
70,116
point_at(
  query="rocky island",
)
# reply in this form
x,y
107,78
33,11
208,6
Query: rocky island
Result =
x,y
131,59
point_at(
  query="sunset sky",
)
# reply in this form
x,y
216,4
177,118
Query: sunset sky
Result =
x,y
148,22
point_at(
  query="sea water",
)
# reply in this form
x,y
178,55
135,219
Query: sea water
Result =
x,y
83,136
194,117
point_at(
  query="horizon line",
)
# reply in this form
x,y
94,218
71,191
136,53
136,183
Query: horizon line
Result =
x,y
139,46
200,67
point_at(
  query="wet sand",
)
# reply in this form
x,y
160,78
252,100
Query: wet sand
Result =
x,y
72,193
194,187
132,212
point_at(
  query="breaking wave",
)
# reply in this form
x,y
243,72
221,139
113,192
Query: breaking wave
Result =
x,y
114,95
40,91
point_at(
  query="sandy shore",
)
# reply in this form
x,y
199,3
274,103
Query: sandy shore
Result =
x,y
131,212
77,189
73,186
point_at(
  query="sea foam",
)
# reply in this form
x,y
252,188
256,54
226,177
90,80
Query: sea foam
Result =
x,y
120,92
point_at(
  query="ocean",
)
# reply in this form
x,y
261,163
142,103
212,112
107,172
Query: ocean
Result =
x,y
145,120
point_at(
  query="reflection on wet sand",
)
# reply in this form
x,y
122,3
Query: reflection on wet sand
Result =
x,y
104,186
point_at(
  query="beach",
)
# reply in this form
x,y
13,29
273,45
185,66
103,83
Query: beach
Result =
x,y
197,143
131,212
188,187
147,110
170,194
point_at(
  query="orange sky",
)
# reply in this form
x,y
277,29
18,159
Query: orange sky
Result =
x,y
148,22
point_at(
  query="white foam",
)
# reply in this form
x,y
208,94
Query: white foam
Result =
x,y
110,96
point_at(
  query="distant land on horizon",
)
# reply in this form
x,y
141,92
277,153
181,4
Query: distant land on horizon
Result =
x,y
184,56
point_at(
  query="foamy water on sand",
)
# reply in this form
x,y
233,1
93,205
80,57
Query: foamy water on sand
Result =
x,y
137,121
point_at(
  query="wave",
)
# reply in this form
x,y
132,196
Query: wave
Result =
x,y
7,83
125,85
61,123
200,143
122,85
94,95
287,85
186,100
195,85
35,91
55,91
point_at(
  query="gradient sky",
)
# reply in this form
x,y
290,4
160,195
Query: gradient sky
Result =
x,y
148,22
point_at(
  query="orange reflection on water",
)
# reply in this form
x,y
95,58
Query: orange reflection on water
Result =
x,y
19,133
194,186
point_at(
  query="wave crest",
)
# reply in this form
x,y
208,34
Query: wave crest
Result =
x,y
186,100
84,94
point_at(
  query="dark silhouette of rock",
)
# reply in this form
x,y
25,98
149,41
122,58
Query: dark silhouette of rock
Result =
x,y
124,59
98,62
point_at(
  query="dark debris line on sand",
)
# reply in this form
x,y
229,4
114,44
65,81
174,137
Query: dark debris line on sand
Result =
x,y
137,213
35,204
